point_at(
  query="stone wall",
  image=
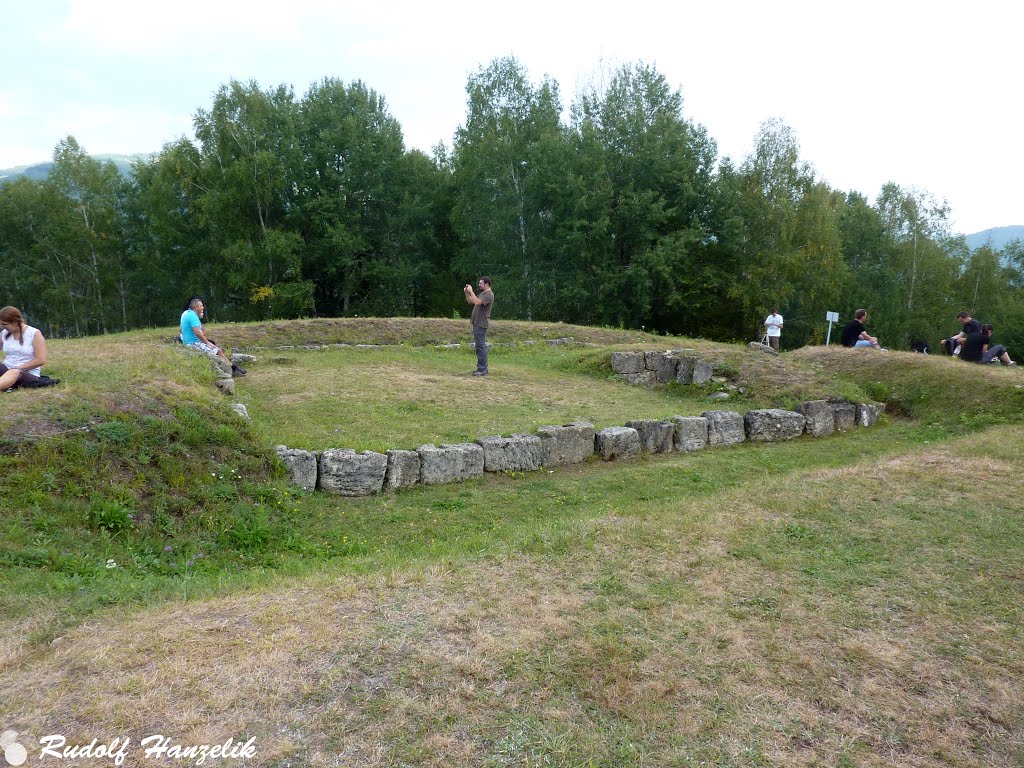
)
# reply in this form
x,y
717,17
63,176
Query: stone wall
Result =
x,y
652,367
345,472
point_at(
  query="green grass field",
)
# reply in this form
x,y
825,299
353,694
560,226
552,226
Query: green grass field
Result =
x,y
846,601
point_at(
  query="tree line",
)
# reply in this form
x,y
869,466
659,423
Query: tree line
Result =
x,y
622,214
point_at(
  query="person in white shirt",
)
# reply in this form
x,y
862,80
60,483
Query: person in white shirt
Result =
x,y
24,350
773,327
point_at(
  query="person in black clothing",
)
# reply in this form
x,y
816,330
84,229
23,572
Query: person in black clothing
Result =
x,y
975,348
970,325
855,334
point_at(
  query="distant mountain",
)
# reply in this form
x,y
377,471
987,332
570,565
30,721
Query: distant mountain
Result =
x,y
40,171
995,238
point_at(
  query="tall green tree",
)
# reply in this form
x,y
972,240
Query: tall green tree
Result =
x,y
659,166
926,262
790,237
250,158
363,204
507,164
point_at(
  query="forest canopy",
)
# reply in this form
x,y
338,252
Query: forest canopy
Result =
x,y
616,211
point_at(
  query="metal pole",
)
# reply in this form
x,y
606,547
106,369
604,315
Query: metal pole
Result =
x,y
829,335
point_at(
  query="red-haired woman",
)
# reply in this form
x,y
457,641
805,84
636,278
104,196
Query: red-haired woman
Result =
x,y
24,350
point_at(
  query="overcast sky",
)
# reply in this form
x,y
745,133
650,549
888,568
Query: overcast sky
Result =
x,y
925,94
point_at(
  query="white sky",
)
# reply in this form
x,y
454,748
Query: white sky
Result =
x,y
925,94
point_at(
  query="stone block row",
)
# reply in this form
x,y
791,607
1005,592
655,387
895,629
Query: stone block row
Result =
x,y
345,472
653,367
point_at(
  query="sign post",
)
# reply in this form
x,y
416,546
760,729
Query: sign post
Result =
x,y
832,317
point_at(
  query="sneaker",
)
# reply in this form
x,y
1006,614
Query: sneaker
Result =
x,y
1012,362
238,370
479,373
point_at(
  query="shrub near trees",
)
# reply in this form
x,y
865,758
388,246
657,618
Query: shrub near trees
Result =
x,y
621,215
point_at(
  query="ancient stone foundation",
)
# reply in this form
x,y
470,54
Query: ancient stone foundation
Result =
x,y
345,472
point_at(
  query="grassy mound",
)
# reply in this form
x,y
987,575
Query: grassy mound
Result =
x,y
835,601
930,388
413,331
134,479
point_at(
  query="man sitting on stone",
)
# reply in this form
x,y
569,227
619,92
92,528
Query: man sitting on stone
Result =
x,y
192,335
975,348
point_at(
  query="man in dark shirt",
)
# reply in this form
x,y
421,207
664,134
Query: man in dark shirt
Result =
x,y
480,320
975,348
970,325
855,334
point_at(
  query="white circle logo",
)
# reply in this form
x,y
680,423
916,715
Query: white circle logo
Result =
x,y
14,753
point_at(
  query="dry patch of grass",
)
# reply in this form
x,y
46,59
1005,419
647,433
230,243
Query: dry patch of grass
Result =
x,y
865,616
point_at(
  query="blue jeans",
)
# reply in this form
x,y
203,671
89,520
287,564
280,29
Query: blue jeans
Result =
x,y
993,353
862,343
479,341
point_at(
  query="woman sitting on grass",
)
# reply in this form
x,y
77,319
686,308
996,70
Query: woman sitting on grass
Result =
x,y
24,351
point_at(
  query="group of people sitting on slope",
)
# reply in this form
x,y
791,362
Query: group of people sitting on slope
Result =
x,y
974,343
24,348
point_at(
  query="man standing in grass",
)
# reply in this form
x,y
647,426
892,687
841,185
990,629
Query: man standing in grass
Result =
x,y
480,320
773,328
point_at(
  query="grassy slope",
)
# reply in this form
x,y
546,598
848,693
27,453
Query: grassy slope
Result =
x,y
645,614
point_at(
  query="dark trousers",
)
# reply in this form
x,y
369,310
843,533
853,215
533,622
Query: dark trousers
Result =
x,y
773,342
28,379
480,342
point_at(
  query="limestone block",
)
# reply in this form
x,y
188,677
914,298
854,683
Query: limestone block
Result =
x,y
662,364
238,358
702,372
227,386
301,466
693,370
617,443
647,378
691,433
867,414
724,427
516,453
450,463
773,425
845,416
761,348
347,473
655,436
820,417
241,410
403,469
628,362
567,444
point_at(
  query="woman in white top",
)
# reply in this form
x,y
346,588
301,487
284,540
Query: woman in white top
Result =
x,y
24,350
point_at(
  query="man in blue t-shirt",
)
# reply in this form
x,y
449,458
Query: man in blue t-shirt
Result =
x,y
192,335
